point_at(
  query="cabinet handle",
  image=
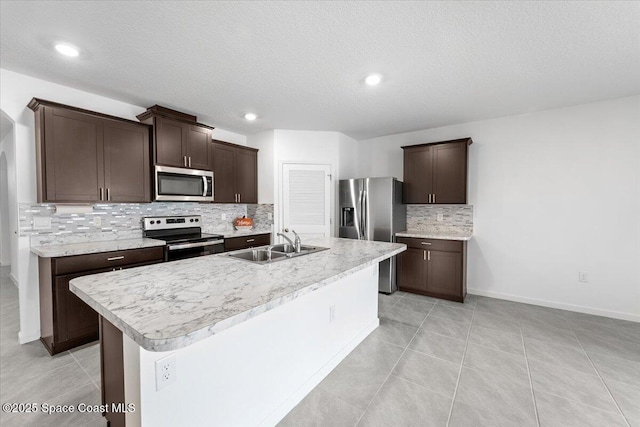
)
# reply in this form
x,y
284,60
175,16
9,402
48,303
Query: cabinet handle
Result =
x,y
239,198
434,198
424,255
251,240
428,255
189,161
430,198
184,161
101,193
115,258
426,243
108,194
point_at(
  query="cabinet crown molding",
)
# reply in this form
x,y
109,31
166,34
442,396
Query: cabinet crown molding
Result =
x,y
36,103
158,110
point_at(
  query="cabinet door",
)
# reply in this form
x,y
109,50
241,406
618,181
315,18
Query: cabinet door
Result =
x,y
73,156
223,173
170,137
126,162
444,273
449,173
198,146
417,175
73,318
412,270
246,175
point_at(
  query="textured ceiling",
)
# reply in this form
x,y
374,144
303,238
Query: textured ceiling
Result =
x,y
300,65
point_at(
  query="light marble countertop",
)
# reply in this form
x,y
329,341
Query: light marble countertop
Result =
x,y
443,235
240,233
168,306
92,247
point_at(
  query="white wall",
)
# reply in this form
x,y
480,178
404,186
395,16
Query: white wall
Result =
x,y
5,223
264,142
554,193
225,135
16,90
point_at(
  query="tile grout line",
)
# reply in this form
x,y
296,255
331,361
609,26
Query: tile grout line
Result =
x,y
392,368
593,365
84,370
464,354
533,394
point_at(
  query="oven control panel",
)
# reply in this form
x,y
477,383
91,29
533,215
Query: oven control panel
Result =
x,y
170,222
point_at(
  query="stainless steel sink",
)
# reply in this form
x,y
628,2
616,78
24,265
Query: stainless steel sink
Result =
x,y
278,253
258,255
288,249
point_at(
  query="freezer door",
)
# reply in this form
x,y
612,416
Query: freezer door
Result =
x,y
351,213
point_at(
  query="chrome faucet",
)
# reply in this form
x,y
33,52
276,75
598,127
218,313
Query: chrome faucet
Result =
x,y
297,245
287,239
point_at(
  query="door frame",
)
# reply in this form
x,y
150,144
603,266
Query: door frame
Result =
x,y
278,211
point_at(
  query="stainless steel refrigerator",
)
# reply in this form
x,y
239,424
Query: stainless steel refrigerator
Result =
x,y
372,209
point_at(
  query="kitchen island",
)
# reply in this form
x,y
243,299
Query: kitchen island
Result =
x,y
245,342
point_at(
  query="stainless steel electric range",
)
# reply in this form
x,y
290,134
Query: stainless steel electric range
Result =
x,y
183,235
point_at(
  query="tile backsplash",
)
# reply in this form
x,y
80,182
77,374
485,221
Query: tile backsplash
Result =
x,y
457,218
118,220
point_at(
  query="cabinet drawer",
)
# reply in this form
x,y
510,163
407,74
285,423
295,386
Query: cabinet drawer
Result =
x,y
432,244
244,242
78,263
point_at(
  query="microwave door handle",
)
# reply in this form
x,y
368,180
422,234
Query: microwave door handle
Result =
x,y
206,186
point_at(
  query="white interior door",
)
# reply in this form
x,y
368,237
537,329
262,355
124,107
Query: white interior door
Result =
x,y
306,199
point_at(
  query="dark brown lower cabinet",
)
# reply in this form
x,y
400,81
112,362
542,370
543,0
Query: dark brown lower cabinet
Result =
x,y
245,242
433,267
65,320
112,372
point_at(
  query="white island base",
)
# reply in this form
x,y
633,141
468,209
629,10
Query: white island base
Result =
x,y
254,373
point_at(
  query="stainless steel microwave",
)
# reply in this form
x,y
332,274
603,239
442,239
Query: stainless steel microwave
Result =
x,y
183,185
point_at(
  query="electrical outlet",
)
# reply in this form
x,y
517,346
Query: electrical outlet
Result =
x,y
97,221
583,277
332,313
166,372
440,216
270,216
41,222
224,217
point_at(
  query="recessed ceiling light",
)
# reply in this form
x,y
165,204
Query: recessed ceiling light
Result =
x,y
67,49
373,79
250,116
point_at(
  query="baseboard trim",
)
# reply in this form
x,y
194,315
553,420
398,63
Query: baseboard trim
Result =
x,y
277,415
24,338
13,279
551,304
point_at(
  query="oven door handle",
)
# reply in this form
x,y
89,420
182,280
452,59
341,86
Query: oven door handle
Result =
x,y
194,245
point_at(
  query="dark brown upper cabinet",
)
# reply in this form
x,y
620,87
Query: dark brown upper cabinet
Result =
x,y
235,173
84,156
179,140
436,173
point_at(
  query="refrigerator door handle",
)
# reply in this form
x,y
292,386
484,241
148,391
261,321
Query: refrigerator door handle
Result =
x,y
365,212
360,220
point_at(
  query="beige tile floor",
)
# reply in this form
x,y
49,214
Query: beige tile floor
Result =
x,y
431,362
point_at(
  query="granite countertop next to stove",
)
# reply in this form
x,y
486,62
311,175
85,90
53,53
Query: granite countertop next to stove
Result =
x,y
92,247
